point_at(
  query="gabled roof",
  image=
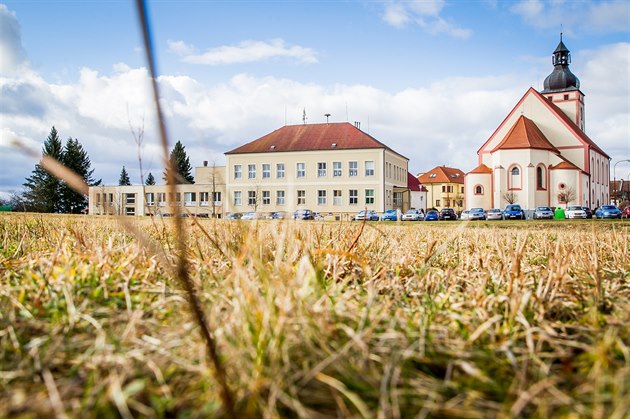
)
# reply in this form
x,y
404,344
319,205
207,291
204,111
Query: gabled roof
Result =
x,y
442,174
309,137
413,183
571,125
565,165
525,134
482,168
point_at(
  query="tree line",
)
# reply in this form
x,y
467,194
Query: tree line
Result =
x,y
44,192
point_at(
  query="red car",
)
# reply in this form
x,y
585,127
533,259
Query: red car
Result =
x,y
626,212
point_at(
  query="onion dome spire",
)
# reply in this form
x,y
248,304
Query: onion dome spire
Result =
x,y
561,78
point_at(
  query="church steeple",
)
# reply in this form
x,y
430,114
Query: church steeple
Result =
x,y
561,78
563,88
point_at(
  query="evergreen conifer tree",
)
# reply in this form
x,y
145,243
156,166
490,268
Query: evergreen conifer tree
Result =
x,y
150,180
42,192
180,161
76,158
123,180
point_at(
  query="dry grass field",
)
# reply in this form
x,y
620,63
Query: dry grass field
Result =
x,y
316,319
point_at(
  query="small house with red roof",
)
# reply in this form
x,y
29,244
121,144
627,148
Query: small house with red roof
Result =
x,y
540,155
445,187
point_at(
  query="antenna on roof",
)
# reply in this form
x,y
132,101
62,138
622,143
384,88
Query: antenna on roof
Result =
x,y
304,118
326,115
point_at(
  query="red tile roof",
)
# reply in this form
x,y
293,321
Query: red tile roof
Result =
x,y
307,137
413,183
482,168
442,174
525,134
567,165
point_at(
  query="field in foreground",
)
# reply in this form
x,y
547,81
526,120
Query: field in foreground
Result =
x,y
316,319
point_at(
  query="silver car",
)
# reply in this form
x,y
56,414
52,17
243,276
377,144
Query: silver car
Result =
x,y
494,214
542,213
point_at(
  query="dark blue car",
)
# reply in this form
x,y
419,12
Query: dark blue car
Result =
x,y
607,211
432,215
513,212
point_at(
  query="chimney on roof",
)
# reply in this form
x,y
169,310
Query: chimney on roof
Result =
x,y
326,115
205,163
357,124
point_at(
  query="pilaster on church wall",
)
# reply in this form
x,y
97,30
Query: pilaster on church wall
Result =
x,y
529,187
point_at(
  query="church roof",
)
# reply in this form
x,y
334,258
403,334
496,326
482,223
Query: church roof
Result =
x,y
566,165
442,174
525,134
309,137
482,168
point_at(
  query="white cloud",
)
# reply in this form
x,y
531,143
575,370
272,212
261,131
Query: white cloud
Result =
x,y
245,52
424,13
575,16
12,52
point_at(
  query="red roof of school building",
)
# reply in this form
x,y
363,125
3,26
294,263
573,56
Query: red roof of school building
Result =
x,y
309,137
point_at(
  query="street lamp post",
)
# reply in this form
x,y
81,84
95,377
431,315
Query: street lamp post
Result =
x,y
615,175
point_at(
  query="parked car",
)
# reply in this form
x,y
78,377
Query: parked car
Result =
x,y
390,215
368,215
412,215
574,211
625,213
317,216
432,215
303,214
588,211
607,211
279,215
513,212
251,216
448,214
543,213
465,215
477,214
234,216
494,214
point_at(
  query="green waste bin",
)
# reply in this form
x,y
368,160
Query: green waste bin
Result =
x,y
559,213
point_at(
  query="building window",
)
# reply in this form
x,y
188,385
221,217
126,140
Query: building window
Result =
x,y
238,171
337,199
280,170
443,188
190,198
353,168
369,196
149,197
301,197
266,169
266,197
337,168
437,202
130,211
238,198
354,196
301,170
203,198
566,97
321,197
130,198
462,189
540,178
478,190
216,198
251,198
251,171
161,198
279,197
514,178
321,169
369,168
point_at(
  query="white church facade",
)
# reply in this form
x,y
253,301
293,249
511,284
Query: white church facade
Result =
x,y
540,154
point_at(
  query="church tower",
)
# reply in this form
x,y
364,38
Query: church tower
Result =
x,y
563,88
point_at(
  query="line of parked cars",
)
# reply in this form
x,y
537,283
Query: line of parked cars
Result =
x,y
511,212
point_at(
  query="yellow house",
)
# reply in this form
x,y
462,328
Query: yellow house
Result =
x,y
328,168
445,186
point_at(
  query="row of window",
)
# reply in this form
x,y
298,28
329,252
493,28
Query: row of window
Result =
x,y
300,170
450,189
264,198
396,172
189,197
448,202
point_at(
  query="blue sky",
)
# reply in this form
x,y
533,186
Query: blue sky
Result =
x,y
432,79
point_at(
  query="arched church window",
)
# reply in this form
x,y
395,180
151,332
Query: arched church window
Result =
x,y
540,178
478,190
515,171
514,178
